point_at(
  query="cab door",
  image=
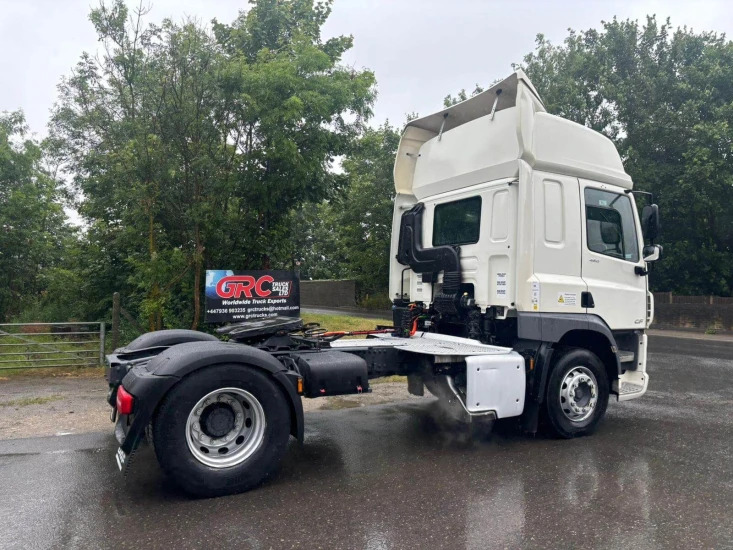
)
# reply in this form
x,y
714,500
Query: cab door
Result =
x,y
612,264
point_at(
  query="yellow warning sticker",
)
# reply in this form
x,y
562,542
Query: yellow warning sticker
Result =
x,y
567,299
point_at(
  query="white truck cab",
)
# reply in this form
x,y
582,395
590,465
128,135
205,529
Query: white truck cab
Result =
x,y
519,228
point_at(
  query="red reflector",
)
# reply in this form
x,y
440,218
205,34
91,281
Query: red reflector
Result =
x,y
124,401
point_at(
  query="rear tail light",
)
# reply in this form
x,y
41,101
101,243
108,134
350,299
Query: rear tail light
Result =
x,y
125,401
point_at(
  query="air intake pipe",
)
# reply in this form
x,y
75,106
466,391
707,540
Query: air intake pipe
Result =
x,y
410,252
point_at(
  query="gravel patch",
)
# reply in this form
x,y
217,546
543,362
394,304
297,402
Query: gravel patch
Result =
x,y
34,407
37,407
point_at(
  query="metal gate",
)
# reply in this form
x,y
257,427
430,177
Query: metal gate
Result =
x,y
48,345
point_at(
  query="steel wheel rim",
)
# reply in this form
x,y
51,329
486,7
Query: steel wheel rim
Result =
x,y
240,442
578,394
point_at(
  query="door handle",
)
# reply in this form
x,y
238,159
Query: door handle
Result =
x,y
640,271
586,300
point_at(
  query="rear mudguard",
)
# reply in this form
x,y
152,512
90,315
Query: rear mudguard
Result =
x,y
161,338
145,346
149,383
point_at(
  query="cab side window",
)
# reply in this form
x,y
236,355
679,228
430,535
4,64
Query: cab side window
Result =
x,y
457,222
610,225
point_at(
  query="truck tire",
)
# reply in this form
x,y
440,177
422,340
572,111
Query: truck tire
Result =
x,y
577,393
222,430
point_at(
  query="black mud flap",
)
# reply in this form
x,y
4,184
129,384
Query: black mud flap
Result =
x,y
122,458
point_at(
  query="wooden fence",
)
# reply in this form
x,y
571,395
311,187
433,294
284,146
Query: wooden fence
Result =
x,y
671,298
704,313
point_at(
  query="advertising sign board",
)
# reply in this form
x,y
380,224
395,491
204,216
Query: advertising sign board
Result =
x,y
235,296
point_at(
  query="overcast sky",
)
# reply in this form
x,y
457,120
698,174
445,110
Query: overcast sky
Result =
x,y
420,50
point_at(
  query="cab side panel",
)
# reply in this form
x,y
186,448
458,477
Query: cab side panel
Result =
x,y
557,284
489,264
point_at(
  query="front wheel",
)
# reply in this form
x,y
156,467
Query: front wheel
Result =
x,y
222,430
577,393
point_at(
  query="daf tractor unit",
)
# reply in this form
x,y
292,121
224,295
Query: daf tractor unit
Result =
x,y
518,275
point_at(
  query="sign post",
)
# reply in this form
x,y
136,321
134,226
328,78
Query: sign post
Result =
x,y
236,296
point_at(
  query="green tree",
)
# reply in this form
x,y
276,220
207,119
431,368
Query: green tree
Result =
x,y
295,109
193,149
349,235
449,100
106,132
33,229
665,96
365,215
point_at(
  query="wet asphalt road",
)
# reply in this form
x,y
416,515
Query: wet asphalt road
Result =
x,y
657,474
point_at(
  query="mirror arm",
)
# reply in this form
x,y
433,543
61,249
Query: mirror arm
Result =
x,y
651,195
651,253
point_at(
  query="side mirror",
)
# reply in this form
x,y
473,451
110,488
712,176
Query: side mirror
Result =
x,y
650,221
652,252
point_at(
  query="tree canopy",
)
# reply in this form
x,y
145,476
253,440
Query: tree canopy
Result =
x,y
190,149
349,235
33,228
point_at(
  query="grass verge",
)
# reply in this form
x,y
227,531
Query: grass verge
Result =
x,y
388,379
24,402
57,372
343,322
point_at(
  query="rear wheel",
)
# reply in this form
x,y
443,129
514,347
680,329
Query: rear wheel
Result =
x,y
577,393
222,430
